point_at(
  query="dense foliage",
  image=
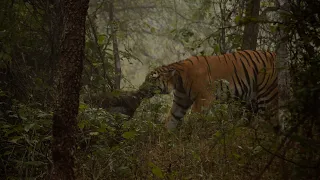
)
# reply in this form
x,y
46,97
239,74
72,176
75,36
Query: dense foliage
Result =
x,y
221,144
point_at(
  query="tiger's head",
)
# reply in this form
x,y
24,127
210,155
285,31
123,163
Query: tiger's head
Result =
x,y
161,81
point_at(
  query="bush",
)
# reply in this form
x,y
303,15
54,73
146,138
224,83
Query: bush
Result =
x,y
25,146
215,145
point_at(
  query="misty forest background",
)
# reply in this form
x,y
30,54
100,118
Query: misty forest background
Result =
x,y
124,40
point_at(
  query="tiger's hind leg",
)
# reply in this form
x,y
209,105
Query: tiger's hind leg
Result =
x,y
218,91
269,109
202,103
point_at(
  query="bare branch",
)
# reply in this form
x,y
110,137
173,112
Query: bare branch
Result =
x,y
269,9
135,7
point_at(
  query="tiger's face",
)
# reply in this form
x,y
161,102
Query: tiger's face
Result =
x,y
161,81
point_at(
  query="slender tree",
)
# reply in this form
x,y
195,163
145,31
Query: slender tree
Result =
x,y
283,57
116,57
68,88
251,28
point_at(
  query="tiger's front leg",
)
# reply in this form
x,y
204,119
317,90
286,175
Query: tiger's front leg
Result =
x,y
181,104
172,123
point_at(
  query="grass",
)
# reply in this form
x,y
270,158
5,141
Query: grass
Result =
x,y
215,145
212,146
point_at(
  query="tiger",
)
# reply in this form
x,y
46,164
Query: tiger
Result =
x,y
249,75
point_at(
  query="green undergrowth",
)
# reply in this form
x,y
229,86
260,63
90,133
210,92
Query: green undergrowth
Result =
x,y
215,145
25,144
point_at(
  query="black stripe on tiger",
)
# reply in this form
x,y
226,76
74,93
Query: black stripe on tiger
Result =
x,y
175,95
269,99
247,79
181,105
176,117
189,61
270,89
190,89
197,58
209,69
225,59
254,65
240,93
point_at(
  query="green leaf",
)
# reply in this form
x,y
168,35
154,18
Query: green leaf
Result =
x,y
156,170
152,29
6,126
47,138
15,139
236,156
7,153
94,133
101,39
82,124
196,156
146,24
28,127
83,107
124,170
6,57
217,134
43,114
96,64
257,149
237,19
129,134
116,93
217,48
3,33
13,116
34,163
273,29
102,128
157,92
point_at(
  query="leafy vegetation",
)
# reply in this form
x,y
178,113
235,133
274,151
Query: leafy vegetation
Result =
x,y
221,144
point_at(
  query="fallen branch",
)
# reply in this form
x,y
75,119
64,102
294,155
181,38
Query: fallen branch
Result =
x,y
124,102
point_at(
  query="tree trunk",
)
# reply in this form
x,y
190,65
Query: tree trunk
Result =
x,y
68,87
283,84
283,61
55,33
282,52
116,57
251,29
223,30
100,54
